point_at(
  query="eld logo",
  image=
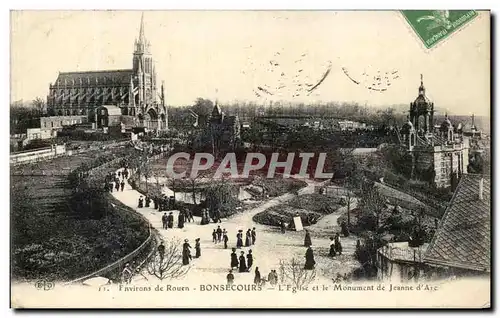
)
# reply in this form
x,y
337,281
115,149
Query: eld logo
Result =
x,y
44,285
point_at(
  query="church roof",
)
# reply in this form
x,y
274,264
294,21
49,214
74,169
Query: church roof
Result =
x,y
93,78
463,239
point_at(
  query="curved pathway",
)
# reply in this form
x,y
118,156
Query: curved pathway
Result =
x,y
271,245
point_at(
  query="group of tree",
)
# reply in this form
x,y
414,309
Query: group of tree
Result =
x,y
26,115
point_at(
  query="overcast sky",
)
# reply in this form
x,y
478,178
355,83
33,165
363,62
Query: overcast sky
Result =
x,y
227,54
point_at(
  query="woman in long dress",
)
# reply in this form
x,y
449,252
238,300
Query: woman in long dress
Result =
x,y
310,262
239,239
234,259
307,239
198,248
243,265
180,220
248,239
186,252
256,279
249,259
332,252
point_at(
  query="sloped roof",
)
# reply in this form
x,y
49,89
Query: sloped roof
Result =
x,y
463,239
92,78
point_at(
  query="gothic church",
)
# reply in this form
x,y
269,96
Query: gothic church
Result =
x,y
134,91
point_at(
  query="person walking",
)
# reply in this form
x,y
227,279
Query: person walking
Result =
x,y
332,252
310,262
122,185
257,279
239,239
186,252
219,234
254,236
243,265
230,277
170,220
127,274
307,239
164,220
234,259
225,238
214,236
161,250
248,238
197,248
338,245
249,259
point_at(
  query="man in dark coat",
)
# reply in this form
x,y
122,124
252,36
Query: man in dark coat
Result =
x,y
307,239
117,185
310,262
141,204
164,220
225,238
254,236
234,259
170,220
122,185
214,236
148,201
219,234
243,265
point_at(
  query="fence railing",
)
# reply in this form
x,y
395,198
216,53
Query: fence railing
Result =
x,y
127,258
119,263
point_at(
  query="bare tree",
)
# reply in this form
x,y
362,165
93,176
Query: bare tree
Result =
x,y
373,205
39,105
293,273
169,265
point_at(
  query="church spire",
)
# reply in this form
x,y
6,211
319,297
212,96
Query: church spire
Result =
x,y
141,43
142,38
421,89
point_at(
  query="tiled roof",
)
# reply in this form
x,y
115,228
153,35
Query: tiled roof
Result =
x,y
463,238
93,78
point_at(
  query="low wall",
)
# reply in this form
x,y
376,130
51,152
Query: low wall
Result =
x,y
37,155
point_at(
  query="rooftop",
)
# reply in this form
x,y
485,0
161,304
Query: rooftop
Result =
x,y
463,238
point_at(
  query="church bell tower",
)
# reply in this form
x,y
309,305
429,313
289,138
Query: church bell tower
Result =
x,y
144,72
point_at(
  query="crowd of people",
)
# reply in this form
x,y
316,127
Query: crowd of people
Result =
x,y
242,263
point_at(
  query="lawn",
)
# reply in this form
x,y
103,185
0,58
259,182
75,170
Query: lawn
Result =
x,y
54,239
310,208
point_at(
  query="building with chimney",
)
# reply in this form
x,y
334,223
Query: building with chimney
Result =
x,y
134,91
438,155
461,245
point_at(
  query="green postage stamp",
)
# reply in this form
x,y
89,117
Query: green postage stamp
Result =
x,y
433,26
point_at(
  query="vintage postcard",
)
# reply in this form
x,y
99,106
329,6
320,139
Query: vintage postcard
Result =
x,y
250,159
